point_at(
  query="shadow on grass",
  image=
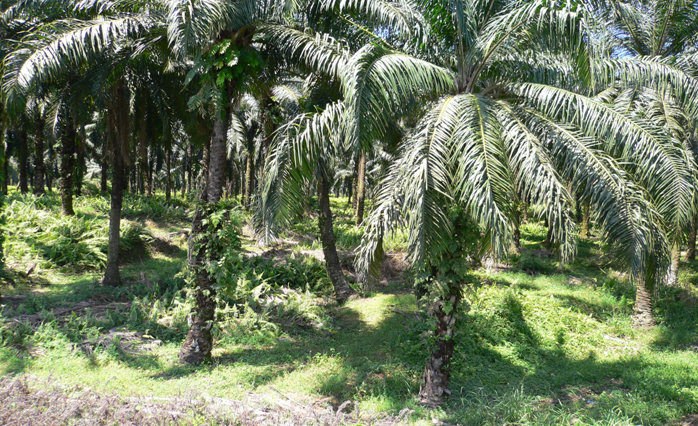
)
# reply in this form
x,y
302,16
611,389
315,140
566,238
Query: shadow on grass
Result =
x,y
160,275
676,310
139,361
12,361
599,311
501,371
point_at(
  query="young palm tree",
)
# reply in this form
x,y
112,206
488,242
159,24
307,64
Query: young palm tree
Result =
x,y
514,123
305,151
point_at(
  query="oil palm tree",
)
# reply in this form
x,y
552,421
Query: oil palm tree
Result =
x,y
214,28
657,30
515,120
92,43
213,31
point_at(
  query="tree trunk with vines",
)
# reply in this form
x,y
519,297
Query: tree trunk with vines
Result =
x,y
435,380
199,342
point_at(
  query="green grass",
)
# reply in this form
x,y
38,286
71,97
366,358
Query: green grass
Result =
x,y
539,343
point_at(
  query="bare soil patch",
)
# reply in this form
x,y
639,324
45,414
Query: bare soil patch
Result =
x,y
30,401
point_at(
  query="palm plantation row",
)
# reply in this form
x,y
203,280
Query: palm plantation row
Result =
x,y
463,113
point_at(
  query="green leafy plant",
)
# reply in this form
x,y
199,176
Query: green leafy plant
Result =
x,y
225,62
77,242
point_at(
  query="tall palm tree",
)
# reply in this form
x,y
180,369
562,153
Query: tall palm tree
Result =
x,y
305,150
215,27
213,31
658,30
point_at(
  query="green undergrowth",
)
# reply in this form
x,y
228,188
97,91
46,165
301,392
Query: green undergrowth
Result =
x,y
537,342
347,234
37,233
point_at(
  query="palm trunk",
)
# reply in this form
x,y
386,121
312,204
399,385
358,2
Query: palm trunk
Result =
x,y
67,167
578,215
524,213
143,165
111,275
691,252
673,273
119,136
201,184
437,372
168,174
584,230
39,167
355,186
334,268
517,236
49,169
23,160
249,173
150,171
199,342
6,172
104,166
130,181
360,188
249,178
80,165
548,237
190,166
3,162
643,317
185,166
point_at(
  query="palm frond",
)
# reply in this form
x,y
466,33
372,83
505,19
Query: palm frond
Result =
x,y
377,81
299,149
629,222
657,161
48,59
312,51
401,17
193,25
537,180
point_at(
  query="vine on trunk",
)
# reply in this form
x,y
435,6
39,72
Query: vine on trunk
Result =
x,y
214,238
441,279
